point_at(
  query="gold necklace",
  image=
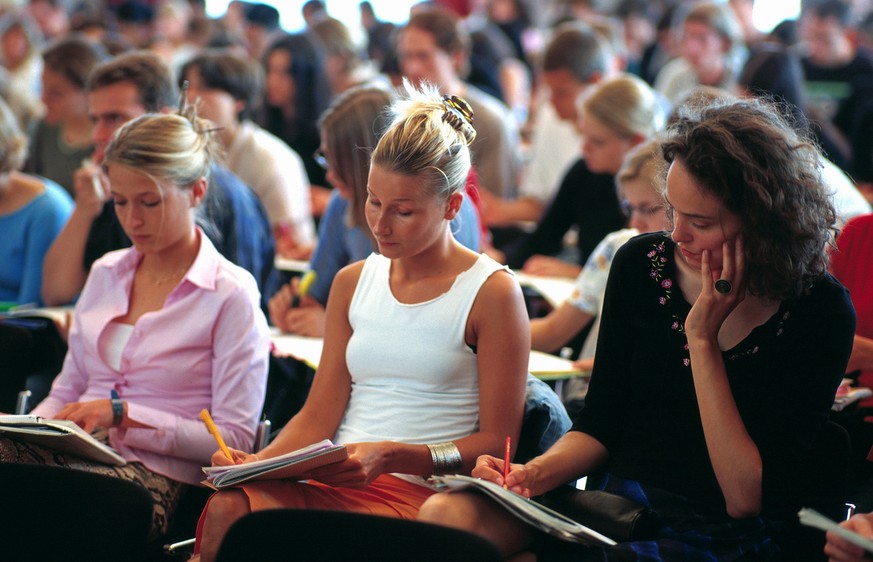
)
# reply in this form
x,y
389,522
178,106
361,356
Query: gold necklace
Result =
x,y
158,281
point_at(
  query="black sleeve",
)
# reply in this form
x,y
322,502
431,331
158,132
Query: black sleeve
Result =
x,y
603,416
599,214
558,218
105,235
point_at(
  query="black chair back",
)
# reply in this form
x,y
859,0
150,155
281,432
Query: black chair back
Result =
x,y
57,513
826,474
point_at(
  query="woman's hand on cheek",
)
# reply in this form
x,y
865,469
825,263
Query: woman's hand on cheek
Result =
x,y
712,307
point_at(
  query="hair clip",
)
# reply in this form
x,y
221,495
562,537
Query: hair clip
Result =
x,y
459,107
459,115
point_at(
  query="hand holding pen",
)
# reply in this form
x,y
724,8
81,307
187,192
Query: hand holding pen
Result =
x,y
293,313
91,192
225,455
497,470
303,288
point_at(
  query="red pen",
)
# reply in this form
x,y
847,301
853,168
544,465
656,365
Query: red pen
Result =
x,y
506,459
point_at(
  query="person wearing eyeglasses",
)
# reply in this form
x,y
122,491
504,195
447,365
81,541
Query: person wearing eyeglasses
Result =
x,y
643,205
226,86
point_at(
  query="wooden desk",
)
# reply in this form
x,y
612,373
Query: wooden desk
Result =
x,y
555,290
56,313
291,266
544,366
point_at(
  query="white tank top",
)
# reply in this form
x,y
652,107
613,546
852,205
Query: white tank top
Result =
x,y
113,341
414,378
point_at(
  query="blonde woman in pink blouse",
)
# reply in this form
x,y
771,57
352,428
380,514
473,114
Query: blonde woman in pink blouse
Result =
x,y
163,329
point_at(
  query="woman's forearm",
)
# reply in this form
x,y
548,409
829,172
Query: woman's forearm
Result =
x,y
735,458
574,455
557,328
63,273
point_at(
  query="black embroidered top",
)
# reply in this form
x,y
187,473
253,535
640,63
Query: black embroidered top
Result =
x,y
641,403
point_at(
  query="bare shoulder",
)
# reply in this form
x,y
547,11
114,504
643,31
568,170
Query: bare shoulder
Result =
x,y
502,284
499,314
500,292
346,280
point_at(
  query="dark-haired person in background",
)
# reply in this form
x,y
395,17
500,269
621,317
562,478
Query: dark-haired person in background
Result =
x,y
62,138
119,90
296,92
228,86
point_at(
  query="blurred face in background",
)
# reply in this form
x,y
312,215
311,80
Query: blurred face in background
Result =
x,y
63,100
111,107
702,47
825,41
15,46
421,59
564,91
602,149
279,84
216,105
323,157
643,206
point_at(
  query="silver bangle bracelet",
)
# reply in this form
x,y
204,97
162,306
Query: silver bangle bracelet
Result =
x,y
446,458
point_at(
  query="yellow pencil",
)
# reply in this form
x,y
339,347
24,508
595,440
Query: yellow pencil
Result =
x,y
303,288
210,425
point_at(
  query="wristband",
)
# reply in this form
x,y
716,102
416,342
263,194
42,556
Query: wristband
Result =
x,y
446,458
117,409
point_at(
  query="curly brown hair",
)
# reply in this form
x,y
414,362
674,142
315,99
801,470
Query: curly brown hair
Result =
x,y
767,173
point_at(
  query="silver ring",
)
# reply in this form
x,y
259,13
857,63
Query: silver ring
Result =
x,y
723,286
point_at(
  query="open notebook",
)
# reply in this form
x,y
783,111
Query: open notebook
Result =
x,y
529,511
290,465
59,435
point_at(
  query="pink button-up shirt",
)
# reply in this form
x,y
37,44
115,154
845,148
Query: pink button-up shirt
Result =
x,y
208,347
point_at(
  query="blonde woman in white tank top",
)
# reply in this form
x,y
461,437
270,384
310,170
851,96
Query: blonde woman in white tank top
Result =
x,y
426,345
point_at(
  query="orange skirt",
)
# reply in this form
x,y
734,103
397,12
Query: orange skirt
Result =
x,y
387,496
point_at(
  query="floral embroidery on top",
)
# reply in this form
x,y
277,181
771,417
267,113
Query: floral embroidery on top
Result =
x,y
755,349
779,328
745,353
658,259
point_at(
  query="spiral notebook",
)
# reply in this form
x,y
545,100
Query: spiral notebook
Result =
x,y
290,465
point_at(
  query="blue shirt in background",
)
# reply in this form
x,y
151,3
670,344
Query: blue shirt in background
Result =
x,y
27,234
